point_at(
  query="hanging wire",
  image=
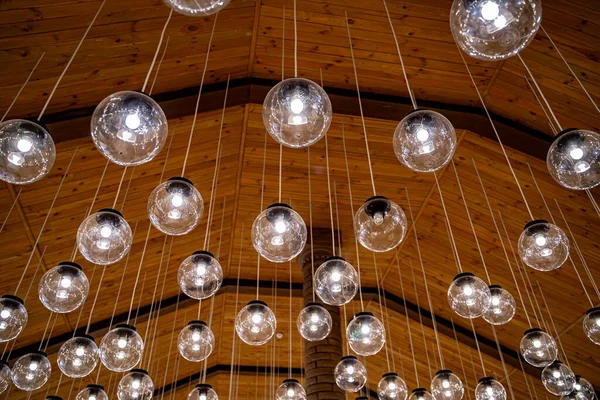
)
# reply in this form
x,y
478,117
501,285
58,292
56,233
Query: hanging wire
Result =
x,y
137,278
478,348
310,221
119,188
137,310
162,35
412,271
329,193
506,374
237,296
162,57
379,296
448,226
387,321
295,43
550,123
170,347
11,208
552,323
22,87
462,365
89,323
412,347
337,218
290,322
524,375
121,283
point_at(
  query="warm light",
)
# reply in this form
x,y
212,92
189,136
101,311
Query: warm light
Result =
x,y
490,11
489,390
174,214
290,392
33,366
135,384
582,166
65,282
576,153
256,318
445,384
350,369
16,159
103,244
177,200
392,386
540,240
500,22
336,276
4,313
202,397
422,134
537,344
80,351
365,329
297,106
468,290
24,145
105,231
280,226
196,336
122,343
314,318
378,218
495,301
556,374
132,121
276,240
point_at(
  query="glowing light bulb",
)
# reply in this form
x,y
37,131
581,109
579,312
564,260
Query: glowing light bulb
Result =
x,y
422,134
556,374
202,397
16,159
445,384
280,226
297,106
256,318
80,351
336,276
392,386
582,166
468,290
576,153
350,369
500,22
132,121
290,392
314,318
24,145
490,391
122,343
4,314
365,329
66,282
135,384
177,200
540,240
537,344
195,336
105,231
490,10
33,366
378,218
201,269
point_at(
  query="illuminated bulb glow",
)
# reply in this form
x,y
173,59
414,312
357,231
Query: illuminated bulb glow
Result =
x,y
177,200
336,276
24,145
105,231
202,397
500,22
201,269
537,344
468,290
490,11
540,240
256,318
33,366
350,369
290,392
5,314
489,391
378,218
576,153
582,166
121,343
297,106
80,351
445,384
195,336
422,134
135,384
174,214
280,226
132,121
16,159
392,386
495,301
556,374
276,240
314,318
365,329
65,282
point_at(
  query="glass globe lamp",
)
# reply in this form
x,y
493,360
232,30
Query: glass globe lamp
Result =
x,y
572,159
175,207
314,322
591,325
543,246
13,317
494,30
582,390
200,275
424,141
380,224
195,341
4,376
121,348
129,128
105,237
558,379
469,296
365,334
502,307
255,324
290,389
31,371
64,288
197,8
420,394
336,281
136,385
392,387
92,392
538,348
489,389
27,151
203,391
297,112
447,386
350,374
78,356
279,233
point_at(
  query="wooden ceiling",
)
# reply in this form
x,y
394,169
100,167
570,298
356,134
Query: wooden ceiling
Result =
x,y
247,44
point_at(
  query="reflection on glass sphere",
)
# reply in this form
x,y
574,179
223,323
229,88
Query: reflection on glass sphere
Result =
x,y
336,281
279,233
502,307
64,288
424,141
290,389
129,128
572,159
494,30
543,246
31,371
197,8
297,112
200,275
136,385
203,391
195,341
446,386
420,394
490,389
4,376
392,387
92,392
121,348
27,151
591,324
582,390
105,237
314,322
255,324
78,356
380,224
13,317
538,348
365,334
350,374
469,296
558,379
175,207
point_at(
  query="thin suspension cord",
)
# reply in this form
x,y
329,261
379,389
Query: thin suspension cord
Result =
x,y
290,322
137,311
550,123
412,271
450,234
137,278
22,87
34,275
162,57
121,283
462,365
119,188
162,35
329,192
237,296
524,374
170,345
310,221
387,322
506,374
552,323
295,43
478,348
262,197
11,208
337,218
98,188
379,296
412,347
89,323
280,166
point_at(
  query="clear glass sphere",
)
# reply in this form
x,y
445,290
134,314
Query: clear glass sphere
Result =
x,y
420,394
197,8
175,207
64,288
392,387
136,385
365,334
13,317
380,224
105,237
572,159
543,246
31,371
279,233
203,391
538,348
290,389
4,376
502,307
582,390
27,151
350,374
78,356
195,341
447,386
92,392
494,30
558,379
129,128
489,389
297,112
314,322
121,348
255,324
469,296
424,141
200,275
591,325
336,282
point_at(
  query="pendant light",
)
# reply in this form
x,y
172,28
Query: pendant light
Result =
x,y
31,371
538,348
64,288
489,389
195,341
558,379
203,391
92,392
350,374
78,356
136,385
